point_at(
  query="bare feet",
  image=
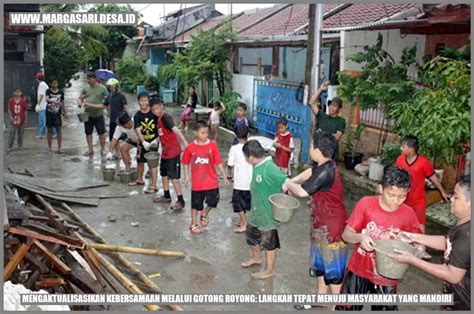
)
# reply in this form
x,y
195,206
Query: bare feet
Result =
x,y
240,229
251,262
263,274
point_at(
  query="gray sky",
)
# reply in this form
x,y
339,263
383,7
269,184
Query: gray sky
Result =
x,y
152,13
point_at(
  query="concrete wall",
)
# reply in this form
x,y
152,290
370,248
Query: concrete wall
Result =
x,y
393,43
293,62
244,85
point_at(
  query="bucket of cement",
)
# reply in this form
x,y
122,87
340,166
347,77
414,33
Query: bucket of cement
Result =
x,y
83,117
387,266
109,174
125,176
153,159
283,206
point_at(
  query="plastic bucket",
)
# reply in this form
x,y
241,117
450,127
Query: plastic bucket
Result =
x,y
387,266
283,206
153,159
109,174
83,117
125,176
134,174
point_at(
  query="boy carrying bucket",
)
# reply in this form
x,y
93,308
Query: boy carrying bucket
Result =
x,y
372,217
262,231
456,269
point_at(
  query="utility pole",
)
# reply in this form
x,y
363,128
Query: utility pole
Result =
x,y
313,54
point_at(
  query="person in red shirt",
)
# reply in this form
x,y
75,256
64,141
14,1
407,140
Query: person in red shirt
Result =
x,y
284,145
17,109
374,218
419,168
201,157
170,165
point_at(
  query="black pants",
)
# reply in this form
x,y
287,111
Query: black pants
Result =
x,y
354,284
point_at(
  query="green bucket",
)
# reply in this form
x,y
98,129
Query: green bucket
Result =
x,y
109,174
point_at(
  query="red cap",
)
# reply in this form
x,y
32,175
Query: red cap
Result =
x,y
40,75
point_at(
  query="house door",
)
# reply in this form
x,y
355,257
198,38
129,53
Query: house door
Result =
x,y
20,75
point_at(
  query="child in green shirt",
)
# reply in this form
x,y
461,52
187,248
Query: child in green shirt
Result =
x,y
267,179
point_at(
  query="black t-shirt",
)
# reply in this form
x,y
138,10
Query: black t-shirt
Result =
x,y
147,124
458,254
194,100
117,103
322,178
54,108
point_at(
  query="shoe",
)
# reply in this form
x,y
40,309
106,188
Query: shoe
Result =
x,y
161,199
204,221
177,206
195,229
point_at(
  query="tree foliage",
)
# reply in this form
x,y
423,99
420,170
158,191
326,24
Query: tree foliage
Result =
x,y
131,74
205,58
61,58
439,113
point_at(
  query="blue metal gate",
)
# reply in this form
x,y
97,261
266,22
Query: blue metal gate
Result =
x,y
274,99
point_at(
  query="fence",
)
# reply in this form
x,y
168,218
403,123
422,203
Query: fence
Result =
x,y
375,118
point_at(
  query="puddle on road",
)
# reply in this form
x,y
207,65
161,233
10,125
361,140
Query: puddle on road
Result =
x,y
74,159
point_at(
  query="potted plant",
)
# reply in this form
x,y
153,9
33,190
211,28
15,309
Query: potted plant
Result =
x,y
389,155
351,143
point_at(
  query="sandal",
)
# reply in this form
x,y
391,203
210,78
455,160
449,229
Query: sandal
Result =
x,y
134,183
151,191
240,229
195,229
204,221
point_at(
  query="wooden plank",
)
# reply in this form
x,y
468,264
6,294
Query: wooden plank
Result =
x,y
37,263
38,236
57,263
53,233
50,282
15,260
82,262
48,210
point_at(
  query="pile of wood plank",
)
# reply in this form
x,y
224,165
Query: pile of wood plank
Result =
x,y
46,248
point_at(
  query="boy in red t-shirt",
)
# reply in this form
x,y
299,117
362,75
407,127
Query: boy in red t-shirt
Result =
x,y
17,109
202,157
419,168
284,145
170,165
373,218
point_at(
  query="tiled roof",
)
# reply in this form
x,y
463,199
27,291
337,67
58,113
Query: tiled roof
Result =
x,y
358,14
186,36
285,21
250,17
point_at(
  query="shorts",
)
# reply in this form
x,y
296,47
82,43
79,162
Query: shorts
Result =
x,y
241,201
171,168
132,143
141,153
354,284
97,122
186,114
112,127
53,120
210,196
328,262
267,240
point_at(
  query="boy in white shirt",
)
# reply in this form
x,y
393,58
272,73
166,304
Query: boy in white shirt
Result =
x,y
241,198
125,130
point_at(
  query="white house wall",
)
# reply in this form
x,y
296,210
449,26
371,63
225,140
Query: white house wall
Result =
x,y
244,85
393,43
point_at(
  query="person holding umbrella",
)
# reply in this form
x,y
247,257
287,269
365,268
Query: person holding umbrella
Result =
x,y
116,104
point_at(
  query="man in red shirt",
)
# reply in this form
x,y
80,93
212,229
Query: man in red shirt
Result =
x,y
170,165
372,219
419,168
202,156
17,108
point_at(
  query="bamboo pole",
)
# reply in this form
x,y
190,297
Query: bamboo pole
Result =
x,y
134,250
124,281
153,287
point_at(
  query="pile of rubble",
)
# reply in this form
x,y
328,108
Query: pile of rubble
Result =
x,y
46,248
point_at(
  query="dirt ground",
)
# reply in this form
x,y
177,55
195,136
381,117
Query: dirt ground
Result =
x,y
213,258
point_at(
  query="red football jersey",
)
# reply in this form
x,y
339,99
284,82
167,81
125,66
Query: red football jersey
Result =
x,y
18,110
420,169
282,157
169,140
369,218
202,160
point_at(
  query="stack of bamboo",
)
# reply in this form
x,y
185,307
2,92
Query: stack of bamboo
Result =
x,y
46,248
